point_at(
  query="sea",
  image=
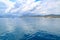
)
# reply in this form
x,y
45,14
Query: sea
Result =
x,y
30,28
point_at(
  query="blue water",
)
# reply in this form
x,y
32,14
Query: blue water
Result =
x,y
30,28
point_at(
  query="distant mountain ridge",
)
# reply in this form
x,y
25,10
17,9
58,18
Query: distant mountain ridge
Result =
x,y
28,15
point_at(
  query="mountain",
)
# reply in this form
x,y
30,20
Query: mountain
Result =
x,y
14,15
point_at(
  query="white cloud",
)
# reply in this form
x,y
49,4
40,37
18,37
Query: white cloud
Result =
x,y
40,7
26,5
8,4
48,7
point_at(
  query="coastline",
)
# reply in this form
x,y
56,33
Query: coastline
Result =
x,y
44,16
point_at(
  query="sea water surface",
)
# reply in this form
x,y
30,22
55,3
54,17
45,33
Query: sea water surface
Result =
x,y
30,28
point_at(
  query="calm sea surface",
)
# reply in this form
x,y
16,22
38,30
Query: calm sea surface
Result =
x,y
17,27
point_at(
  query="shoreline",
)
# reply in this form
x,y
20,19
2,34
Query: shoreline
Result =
x,y
46,16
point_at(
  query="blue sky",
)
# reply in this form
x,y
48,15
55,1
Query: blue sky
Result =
x,y
22,6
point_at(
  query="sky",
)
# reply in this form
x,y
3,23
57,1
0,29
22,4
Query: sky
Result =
x,y
30,6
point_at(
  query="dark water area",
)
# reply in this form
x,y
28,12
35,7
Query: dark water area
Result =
x,y
30,28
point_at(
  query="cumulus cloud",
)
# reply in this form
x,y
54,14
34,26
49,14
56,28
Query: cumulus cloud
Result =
x,y
48,7
8,4
32,6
